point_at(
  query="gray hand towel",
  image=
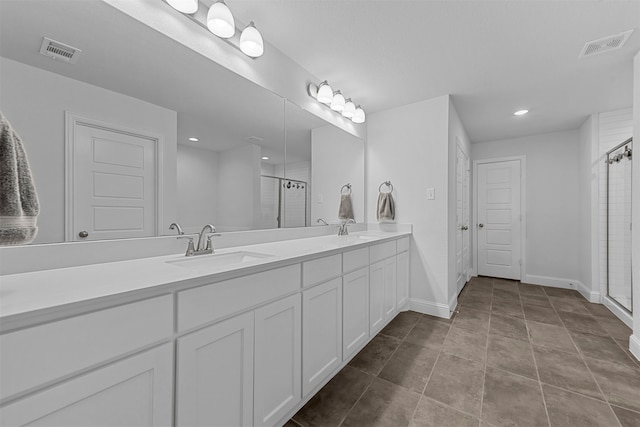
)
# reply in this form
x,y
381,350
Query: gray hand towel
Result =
x,y
386,207
18,199
345,211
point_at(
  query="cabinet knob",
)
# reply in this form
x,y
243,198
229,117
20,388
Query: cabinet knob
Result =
x,y
83,234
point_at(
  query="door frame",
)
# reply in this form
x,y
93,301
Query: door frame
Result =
x,y
72,120
523,215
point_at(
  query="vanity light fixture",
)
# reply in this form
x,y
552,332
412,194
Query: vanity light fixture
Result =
x,y
192,139
520,112
336,101
184,6
251,41
220,20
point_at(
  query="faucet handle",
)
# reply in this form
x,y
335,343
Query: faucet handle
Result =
x,y
209,244
191,250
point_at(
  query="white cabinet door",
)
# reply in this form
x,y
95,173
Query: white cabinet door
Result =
x,y
390,283
277,374
215,375
376,297
321,333
136,391
403,279
355,311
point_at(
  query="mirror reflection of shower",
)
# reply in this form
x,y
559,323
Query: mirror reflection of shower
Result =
x,y
619,180
283,202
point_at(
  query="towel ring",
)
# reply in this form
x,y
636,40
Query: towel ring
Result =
x,y
348,187
388,184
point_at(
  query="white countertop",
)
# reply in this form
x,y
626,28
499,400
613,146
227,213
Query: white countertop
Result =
x,y
29,298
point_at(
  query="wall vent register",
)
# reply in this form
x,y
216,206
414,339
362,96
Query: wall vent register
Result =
x,y
59,51
605,44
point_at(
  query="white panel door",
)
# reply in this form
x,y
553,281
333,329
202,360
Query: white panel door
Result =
x,y
114,185
390,285
376,297
462,218
277,373
137,391
403,279
498,223
215,375
321,333
466,220
355,312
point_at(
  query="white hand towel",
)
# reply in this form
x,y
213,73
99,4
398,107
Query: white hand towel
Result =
x,y
345,211
18,199
386,207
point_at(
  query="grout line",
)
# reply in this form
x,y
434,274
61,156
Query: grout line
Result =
x,y
486,352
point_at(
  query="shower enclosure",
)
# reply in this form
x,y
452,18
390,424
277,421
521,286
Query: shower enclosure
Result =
x,y
283,202
619,172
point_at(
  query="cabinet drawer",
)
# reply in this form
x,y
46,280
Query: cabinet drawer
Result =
x,y
208,303
381,251
320,270
354,260
403,244
38,355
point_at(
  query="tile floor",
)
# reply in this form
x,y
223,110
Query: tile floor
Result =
x,y
513,354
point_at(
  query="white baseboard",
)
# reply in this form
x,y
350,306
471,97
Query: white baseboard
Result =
x,y
557,282
621,314
453,302
591,296
429,307
634,346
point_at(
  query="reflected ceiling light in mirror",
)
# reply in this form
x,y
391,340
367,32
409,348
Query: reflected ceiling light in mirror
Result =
x,y
337,102
184,6
349,109
325,94
265,157
358,116
220,20
520,112
251,41
192,139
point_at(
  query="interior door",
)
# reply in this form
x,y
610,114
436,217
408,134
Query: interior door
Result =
x,y
462,218
499,219
114,184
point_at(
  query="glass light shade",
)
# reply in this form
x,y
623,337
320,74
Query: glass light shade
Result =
x,y
349,109
337,102
358,116
325,94
184,6
251,43
220,20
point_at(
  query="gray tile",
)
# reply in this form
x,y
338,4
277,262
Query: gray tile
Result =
x,y
508,326
410,366
332,403
560,292
375,355
619,383
626,417
599,347
565,370
572,305
507,308
428,333
473,320
427,318
581,323
527,289
540,300
430,413
456,382
505,295
400,326
551,336
502,406
476,302
506,285
478,290
614,327
467,344
570,409
541,314
624,344
598,310
383,404
511,355
291,423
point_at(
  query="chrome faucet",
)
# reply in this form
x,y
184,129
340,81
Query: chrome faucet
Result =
x,y
176,226
343,230
202,248
322,221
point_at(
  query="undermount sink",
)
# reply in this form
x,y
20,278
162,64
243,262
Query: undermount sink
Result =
x,y
218,260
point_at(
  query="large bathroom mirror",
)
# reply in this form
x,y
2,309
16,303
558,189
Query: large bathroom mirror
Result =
x,y
108,133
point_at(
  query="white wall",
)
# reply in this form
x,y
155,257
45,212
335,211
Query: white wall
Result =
x,y
552,202
456,133
239,188
34,101
197,188
337,158
588,200
409,146
635,338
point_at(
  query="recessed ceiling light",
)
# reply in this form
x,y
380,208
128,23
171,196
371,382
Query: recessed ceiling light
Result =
x,y
520,112
265,158
192,139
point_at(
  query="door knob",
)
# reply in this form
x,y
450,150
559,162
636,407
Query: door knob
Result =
x,y
480,225
83,234
464,228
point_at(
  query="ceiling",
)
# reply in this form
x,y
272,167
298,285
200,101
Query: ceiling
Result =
x,y
493,57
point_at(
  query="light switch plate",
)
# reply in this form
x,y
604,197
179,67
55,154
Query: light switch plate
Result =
x,y
431,193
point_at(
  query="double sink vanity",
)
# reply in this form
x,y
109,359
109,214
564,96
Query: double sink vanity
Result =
x,y
244,336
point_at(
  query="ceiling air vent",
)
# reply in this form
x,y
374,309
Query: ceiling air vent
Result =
x,y
60,51
605,44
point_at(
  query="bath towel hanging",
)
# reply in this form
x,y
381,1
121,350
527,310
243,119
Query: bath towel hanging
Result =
x,y
18,199
345,211
386,209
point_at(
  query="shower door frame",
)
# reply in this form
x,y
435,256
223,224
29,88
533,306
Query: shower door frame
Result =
x,y
280,197
617,147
